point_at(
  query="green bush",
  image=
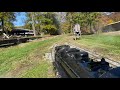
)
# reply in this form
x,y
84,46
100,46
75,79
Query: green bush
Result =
x,y
65,27
51,29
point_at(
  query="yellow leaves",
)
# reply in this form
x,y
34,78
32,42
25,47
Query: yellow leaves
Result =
x,y
49,27
65,27
110,21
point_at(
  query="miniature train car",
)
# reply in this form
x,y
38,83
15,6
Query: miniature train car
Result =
x,y
80,63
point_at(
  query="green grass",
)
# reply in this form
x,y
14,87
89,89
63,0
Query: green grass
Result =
x,y
26,60
106,44
41,70
13,55
103,39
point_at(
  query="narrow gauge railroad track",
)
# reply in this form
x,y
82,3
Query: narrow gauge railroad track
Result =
x,y
97,57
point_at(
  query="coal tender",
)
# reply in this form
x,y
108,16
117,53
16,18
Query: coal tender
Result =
x,y
80,64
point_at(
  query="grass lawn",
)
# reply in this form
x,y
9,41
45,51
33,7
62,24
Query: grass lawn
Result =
x,y
26,60
22,60
106,45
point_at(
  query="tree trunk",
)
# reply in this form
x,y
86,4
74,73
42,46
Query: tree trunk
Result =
x,y
33,24
71,28
2,20
91,29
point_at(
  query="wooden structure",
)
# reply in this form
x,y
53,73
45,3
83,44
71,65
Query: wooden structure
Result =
x,y
14,41
22,32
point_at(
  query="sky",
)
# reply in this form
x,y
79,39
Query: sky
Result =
x,y
20,18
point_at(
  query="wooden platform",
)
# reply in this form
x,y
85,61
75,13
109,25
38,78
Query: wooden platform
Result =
x,y
15,41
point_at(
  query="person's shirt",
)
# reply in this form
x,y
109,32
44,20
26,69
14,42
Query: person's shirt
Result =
x,y
77,28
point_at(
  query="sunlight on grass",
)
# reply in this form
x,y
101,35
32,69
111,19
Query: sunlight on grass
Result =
x,y
18,53
106,44
39,71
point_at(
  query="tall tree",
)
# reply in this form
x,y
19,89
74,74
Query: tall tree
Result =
x,y
85,19
43,21
50,23
92,20
69,18
6,19
33,22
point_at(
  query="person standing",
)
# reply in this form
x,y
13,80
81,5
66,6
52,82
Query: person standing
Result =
x,y
77,31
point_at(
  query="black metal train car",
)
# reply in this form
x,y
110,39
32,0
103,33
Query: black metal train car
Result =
x,y
78,64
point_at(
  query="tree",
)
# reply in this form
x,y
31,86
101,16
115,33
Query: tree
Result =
x,y
65,26
51,29
6,19
69,18
43,21
85,19
92,19
33,23
28,21
50,23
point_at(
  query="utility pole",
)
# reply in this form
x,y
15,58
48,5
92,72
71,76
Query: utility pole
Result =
x,y
33,23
